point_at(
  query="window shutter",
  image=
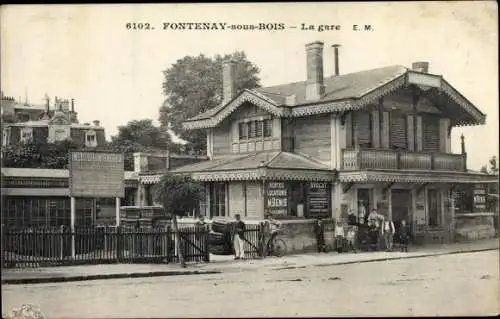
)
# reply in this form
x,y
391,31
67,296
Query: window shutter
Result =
x,y
398,132
268,128
430,128
362,127
260,128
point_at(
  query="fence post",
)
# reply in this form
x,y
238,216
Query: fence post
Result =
x,y
61,236
118,244
261,240
4,238
168,241
205,244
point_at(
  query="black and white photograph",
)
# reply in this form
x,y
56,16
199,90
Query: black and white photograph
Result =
x,y
249,160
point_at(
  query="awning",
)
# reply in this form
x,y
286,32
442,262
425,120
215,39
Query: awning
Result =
x,y
366,176
258,166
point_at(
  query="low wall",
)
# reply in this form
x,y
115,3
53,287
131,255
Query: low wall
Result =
x,y
474,226
300,235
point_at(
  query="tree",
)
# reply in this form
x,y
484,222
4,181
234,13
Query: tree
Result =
x,y
194,85
178,194
141,136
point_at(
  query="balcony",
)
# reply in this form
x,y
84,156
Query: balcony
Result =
x,y
405,160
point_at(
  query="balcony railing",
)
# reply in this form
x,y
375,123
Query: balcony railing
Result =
x,y
400,159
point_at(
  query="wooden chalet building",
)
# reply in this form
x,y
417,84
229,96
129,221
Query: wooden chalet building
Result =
x,y
377,138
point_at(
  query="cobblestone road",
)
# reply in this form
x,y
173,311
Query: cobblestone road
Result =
x,y
449,285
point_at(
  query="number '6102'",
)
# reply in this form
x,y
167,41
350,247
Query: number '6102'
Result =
x,y
138,26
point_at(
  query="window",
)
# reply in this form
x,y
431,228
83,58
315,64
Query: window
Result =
x,y
90,139
398,131
434,208
6,136
243,127
268,128
218,200
255,129
362,130
26,134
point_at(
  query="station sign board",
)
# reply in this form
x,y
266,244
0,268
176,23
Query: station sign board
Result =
x,y
96,174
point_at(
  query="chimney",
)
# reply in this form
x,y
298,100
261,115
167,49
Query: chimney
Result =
x,y
315,87
47,103
336,53
96,123
228,80
420,67
73,105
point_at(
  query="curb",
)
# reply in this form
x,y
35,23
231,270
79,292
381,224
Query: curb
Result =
x,y
21,281
398,258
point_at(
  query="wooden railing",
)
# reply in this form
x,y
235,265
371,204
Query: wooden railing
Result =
x,y
406,160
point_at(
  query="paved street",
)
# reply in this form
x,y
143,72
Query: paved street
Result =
x,y
459,284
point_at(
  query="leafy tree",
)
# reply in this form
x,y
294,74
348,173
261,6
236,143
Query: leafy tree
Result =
x,y
194,84
141,136
178,194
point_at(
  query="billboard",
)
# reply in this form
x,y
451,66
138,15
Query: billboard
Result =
x,y
96,174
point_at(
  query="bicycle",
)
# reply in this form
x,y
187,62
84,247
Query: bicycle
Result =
x,y
275,246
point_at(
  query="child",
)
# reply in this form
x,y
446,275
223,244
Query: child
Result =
x,y
339,236
352,238
404,234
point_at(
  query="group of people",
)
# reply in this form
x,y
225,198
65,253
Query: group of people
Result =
x,y
372,230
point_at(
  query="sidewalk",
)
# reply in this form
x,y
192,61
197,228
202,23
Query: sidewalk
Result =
x,y
221,264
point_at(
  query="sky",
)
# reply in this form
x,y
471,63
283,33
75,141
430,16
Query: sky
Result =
x,y
115,74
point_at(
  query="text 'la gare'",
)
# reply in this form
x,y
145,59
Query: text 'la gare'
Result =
x,y
333,27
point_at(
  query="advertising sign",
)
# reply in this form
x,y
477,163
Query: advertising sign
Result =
x,y
96,174
479,199
277,198
319,200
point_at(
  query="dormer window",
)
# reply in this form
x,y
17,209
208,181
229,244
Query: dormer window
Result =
x,y
90,139
26,134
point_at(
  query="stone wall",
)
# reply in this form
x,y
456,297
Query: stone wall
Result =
x,y
299,235
474,226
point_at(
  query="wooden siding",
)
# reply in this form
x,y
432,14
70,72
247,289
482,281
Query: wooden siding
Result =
x,y
222,139
236,199
312,136
254,202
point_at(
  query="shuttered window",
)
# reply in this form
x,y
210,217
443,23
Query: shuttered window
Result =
x,y
362,130
243,127
430,132
398,131
255,129
268,128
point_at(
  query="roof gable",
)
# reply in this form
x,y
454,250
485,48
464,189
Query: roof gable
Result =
x,y
343,93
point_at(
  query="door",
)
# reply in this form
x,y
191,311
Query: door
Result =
x,y
401,207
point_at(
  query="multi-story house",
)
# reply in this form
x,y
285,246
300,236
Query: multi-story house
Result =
x,y
40,196
375,139
33,122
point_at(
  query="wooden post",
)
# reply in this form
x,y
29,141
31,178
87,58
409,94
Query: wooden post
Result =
x,y
72,224
117,211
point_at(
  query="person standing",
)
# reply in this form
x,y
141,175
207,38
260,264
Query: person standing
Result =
x,y
374,229
339,236
320,236
238,238
388,231
404,235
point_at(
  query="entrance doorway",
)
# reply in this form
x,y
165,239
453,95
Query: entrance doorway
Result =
x,y
401,207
